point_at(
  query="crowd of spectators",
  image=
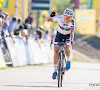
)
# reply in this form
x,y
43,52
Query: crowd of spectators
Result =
x,y
16,27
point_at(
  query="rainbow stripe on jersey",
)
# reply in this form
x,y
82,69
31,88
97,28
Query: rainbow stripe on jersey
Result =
x,y
67,29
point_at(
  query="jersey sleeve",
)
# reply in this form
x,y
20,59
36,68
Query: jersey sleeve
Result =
x,y
72,23
56,18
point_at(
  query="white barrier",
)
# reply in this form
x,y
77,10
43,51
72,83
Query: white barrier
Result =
x,y
47,53
32,53
2,61
38,53
17,52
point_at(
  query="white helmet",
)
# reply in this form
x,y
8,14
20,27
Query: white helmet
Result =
x,y
69,12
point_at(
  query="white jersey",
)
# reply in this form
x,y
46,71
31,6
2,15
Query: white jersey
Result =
x,y
63,28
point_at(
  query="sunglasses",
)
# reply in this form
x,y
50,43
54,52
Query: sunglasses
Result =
x,y
67,18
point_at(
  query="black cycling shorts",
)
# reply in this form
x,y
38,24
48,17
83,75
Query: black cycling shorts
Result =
x,y
61,38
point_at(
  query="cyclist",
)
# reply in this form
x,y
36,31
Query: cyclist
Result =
x,y
65,33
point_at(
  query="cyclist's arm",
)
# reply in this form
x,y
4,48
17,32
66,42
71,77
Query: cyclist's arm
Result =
x,y
72,29
49,19
72,33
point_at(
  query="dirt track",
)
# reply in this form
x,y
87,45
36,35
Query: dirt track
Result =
x,y
88,45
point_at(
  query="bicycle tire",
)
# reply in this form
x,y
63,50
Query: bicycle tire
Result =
x,y
62,57
59,70
61,79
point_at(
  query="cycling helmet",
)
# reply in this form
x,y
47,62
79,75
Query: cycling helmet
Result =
x,y
69,12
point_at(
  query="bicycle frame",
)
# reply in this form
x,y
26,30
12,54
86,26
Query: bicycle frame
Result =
x,y
62,55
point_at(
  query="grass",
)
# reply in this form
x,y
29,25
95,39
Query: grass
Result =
x,y
41,64
83,36
4,68
75,58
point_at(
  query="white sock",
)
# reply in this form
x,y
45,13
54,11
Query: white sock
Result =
x,y
55,67
68,58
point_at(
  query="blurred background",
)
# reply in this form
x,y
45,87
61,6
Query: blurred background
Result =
x,y
31,26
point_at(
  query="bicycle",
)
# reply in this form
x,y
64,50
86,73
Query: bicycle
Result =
x,y
61,68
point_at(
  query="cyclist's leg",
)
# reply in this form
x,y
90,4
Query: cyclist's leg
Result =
x,y
56,54
67,50
67,47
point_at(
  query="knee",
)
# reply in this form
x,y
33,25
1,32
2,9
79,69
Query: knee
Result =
x,y
56,52
67,49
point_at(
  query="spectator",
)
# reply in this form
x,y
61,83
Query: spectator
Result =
x,y
1,21
4,30
35,35
52,35
19,22
24,36
24,33
11,27
4,17
39,33
46,35
0,26
30,18
52,38
26,24
21,27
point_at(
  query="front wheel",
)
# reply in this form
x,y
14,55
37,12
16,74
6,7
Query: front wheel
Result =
x,y
59,70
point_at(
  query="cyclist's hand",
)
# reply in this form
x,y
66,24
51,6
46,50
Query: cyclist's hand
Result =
x,y
72,42
55,12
